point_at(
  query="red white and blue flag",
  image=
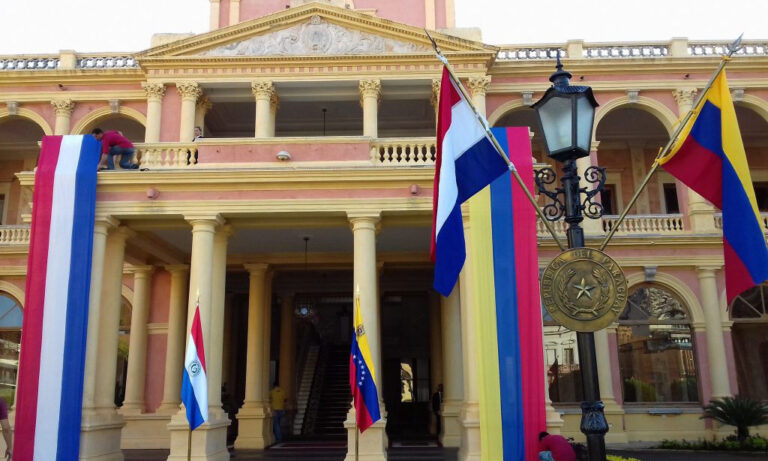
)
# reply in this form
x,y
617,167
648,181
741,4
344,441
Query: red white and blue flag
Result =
x,y
194,386
51,369
467,161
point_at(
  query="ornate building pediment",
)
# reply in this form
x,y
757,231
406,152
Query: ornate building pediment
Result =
x,y
316,36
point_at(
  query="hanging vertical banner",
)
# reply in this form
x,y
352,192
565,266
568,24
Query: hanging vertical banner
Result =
x,y
507,307
52,361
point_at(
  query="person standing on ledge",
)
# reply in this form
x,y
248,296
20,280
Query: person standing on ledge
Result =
x,y
555,448
114,143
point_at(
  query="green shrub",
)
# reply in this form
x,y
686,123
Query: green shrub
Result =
x,y
731,443
737,411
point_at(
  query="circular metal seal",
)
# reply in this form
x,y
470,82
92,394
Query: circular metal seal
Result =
x,y
583,289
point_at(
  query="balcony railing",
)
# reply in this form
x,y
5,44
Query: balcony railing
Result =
x,y
14,235
719,221
646,224
413,151
68,61
166,155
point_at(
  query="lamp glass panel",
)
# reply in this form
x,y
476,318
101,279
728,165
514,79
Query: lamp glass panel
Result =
x,y
586,114
556,122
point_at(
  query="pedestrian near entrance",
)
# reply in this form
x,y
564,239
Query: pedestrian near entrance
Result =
x,y
6,426
114,143
555,448
277,401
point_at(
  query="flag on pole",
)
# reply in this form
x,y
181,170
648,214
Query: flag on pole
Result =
x,y
51,369
466,162
362,376
709,158
194,387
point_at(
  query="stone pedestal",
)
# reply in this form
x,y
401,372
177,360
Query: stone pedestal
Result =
x,y
209,440
254,424
470,449
100,431
451,436
371,445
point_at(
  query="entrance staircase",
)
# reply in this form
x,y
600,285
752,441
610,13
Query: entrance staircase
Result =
x,y
330,398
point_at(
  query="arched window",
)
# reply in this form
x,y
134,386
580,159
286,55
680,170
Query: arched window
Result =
x,y
10,344
749,313
656,353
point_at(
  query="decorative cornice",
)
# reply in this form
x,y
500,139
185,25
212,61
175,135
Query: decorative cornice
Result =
x,y
263,89
63,106
189,90
154,90
479,85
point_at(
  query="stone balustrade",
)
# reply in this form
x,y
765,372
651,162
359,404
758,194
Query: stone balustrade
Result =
x,y
406,151
166,155
67,60
558,226
646,224
14,235
719,221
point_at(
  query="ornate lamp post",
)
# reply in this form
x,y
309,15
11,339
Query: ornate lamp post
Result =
x,y
566,114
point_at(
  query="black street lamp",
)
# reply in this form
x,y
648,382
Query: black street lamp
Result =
x,y
566,114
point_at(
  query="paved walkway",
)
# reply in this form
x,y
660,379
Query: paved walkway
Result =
x,y
438,454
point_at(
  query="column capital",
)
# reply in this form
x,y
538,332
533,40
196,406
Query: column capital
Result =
x,y
103,224
63,106
225,231
685,96
274,100
707,271
256,267
189,90
176,268
370,88
203,220
140,271
436,82
358,220
593,146
123,232
153,90
263,89
478,85
204,103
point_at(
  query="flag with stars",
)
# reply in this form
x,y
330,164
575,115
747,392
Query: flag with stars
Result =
x,y
362,376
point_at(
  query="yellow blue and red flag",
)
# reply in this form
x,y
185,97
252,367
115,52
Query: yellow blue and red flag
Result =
x,y
362,376
709,158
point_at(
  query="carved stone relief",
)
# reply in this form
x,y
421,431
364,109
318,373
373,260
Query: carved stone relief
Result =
x,y
315,37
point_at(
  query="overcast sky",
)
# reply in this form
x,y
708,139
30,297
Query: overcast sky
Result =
x,y
46,26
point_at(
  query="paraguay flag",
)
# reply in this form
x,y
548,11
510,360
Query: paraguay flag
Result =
x,y
50,392
362,376
194,385
709,158
507,309
466,162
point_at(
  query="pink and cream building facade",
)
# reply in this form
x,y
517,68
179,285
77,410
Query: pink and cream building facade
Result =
x,y
313,177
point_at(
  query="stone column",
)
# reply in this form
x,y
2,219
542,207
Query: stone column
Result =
x,y
710,302
189,92
155,93
137,347
203,106
234,12
435,99
215,346
469,418
209,441
274,105
453,379
478,86
700,212
373,442
605,369
592,227
253,416
213,22
101,424
177,334
267,345
435,349
263,91
370,97
287,359
63,109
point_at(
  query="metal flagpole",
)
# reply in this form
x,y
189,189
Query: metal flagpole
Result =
x,y
495,142
734,47
189,444
357,435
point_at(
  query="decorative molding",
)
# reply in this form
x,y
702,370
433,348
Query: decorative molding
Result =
x,y
29,114
114,106
263,89
633,95
737,94
153,90
157,329
685,96
479,85
13,107
189,90
204,103
314,37
63,106
436,82
527,98
650,273
370,89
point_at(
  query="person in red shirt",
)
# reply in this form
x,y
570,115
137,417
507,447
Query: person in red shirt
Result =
x,y
555,448
114,143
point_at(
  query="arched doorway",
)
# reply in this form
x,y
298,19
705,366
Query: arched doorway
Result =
x,y
131,128
18,152
525,116
657,360
749,312
629,139
754,134
11,316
